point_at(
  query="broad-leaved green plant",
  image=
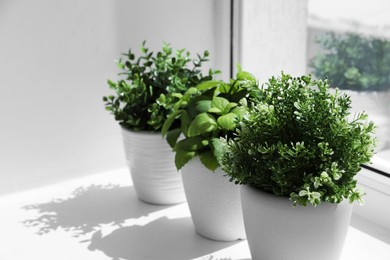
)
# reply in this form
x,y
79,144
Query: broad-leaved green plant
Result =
x,y
297,141
145,78
207,112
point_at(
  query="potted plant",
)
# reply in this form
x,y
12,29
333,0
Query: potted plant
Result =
x,y
296,154
207,112
361,67
143,82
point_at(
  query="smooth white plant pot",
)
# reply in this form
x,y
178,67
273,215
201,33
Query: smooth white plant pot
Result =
x,y
152,166
278,231
214,202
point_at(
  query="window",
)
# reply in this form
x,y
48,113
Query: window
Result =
x,y
352,50
347,41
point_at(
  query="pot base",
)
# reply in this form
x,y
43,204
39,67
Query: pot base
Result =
x,y
276,230
152,168
214,202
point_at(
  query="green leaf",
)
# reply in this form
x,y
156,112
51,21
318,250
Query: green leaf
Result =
x,y
190,91
225,88
238,67
183,157
172,136
168,122
208,84
215,110
185,122
111,83
244,75
239,111
177,95
229,107
201,124
220,103
199,105
227,121
219,148
190,144
208,160
203,105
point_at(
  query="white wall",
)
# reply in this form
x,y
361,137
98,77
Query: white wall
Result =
x,y
55,59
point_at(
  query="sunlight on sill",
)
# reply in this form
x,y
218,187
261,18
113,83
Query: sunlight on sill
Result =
x,y
99,217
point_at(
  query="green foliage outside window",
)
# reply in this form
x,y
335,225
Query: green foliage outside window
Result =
x,y
297,141
353,62
145,79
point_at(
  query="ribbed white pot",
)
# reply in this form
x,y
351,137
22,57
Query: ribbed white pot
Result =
x,y
214,202
152,166
278,231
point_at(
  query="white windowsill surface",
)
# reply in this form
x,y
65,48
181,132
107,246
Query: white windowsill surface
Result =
x,y
99,217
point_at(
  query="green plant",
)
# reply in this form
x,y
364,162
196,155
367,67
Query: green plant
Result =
x,y
297,141
207,112
353,62
144,79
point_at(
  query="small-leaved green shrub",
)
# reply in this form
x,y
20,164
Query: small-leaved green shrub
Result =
x,y
297,141
207,112
145,79
353,62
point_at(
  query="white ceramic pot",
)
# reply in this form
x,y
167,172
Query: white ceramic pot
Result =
x,y
152,166
276,230
214,202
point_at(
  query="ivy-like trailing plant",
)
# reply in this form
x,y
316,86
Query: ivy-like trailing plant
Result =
x,y
353,62
145,79
297,141
207,112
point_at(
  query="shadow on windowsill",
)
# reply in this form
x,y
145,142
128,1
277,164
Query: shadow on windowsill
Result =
x,y
163,239
111,219
87,208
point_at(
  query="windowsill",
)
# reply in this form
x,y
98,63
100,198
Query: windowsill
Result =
x,y
381,162
373,217
99,217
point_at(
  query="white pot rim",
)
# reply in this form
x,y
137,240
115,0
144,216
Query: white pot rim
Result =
x,y
286,199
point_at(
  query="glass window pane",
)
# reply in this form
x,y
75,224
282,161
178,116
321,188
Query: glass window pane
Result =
x,y
352,50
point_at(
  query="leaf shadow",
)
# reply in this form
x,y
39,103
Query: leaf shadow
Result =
x,y
87,208
163,239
